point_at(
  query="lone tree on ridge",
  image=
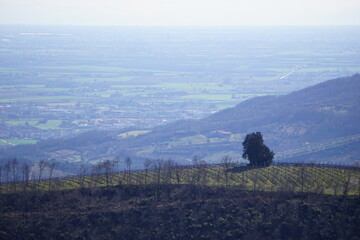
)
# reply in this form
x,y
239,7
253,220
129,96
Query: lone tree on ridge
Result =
x,y
256,151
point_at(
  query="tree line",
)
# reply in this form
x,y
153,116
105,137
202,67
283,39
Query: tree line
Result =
x,y
255,175
228,173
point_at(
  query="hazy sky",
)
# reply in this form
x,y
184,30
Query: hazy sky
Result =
x,y
180,12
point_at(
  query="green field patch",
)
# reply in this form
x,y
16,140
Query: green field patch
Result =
x,y
51,89
353,68
9,70
21,141
50,124
107,93
208,97
89,68
105,79
192,140
279,70
22,86
330,69
62,104
224,106
184,86
32,98
252,94
13,142
215,157
133,133
30,122
4,143
73,158
170,74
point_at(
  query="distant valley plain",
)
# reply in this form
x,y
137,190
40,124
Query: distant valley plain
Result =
x,y
60,81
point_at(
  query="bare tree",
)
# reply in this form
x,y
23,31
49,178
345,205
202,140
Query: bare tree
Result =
x,y
158,166
14,165
95,173
187,174
82,174
200,172
147,164
128,163
347,183
42,165
52,165
116,165
1,170
26,175
108,167
218,176
168,170
302,176
226,164
178,169
7,170
203,172
195,160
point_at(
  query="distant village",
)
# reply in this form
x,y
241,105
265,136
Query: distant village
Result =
x,y
38,121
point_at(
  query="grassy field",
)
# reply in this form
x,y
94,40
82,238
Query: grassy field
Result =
x,y
132,133
192,140
105,69
208,97
31,122
21,141
17,141
107,79
274,178
184,86
30,98
50,124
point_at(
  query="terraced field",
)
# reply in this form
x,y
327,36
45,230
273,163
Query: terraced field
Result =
x,y
303,178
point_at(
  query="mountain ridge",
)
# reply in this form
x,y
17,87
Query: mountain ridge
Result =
x,y
317,113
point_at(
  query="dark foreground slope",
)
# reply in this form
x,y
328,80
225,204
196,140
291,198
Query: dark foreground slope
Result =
x,y
177,212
